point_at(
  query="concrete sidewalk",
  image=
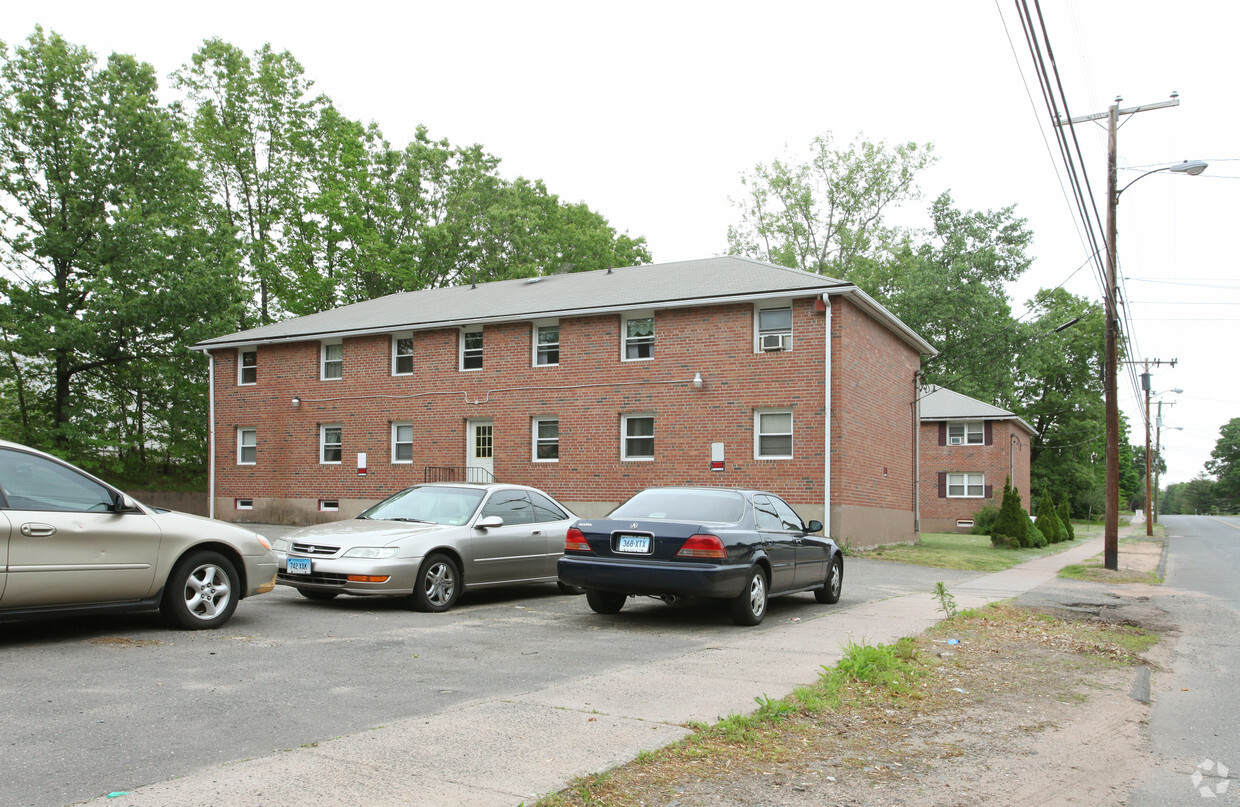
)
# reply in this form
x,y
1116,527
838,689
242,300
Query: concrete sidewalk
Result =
x,y
505,751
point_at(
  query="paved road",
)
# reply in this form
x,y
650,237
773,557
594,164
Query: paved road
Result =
x,y
93,706
1195,719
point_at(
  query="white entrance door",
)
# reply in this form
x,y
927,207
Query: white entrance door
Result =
x,y
480,451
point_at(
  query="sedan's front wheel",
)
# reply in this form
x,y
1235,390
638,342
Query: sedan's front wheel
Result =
x,y
605,602
830,592
202,591
749,606
438,585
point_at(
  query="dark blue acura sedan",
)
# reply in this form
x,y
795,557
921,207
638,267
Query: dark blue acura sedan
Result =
x,y
742,546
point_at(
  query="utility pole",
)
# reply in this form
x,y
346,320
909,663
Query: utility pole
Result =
x,y
1111,357
1145,385
1158,451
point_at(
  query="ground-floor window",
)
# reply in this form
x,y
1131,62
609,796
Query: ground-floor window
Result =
x,y
966,486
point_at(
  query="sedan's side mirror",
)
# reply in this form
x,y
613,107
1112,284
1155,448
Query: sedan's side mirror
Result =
x,y
814,526
488,521
123,503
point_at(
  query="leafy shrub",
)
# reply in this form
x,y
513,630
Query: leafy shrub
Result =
x,y
984,519
1036,538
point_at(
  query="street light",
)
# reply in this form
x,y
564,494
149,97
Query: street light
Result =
x,y
1149,501
1191,168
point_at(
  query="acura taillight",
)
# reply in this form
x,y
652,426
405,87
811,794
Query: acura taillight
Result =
x,y
575,541
703,546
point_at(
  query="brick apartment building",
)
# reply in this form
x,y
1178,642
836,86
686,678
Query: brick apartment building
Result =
x,y
968,448
592,385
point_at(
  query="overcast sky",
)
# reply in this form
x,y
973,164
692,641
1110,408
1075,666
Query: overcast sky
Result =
x,y
650,111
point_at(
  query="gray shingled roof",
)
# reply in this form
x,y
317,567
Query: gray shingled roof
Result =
x,y
940,403
658,285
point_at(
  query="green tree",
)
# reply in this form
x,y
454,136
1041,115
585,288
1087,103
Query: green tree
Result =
x,y
1065,520
950,285
1048,520
1224,462
1010,529
822,213
109,259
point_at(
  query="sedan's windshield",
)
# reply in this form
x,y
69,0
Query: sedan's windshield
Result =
x,y
721,506
433,504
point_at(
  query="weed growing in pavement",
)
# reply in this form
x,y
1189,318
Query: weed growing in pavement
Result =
x,y
947,603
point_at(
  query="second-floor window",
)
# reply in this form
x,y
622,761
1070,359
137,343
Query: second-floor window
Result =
x,y
471,350
966,434
333,361
402,355
247,368
638,338
547,344
774,329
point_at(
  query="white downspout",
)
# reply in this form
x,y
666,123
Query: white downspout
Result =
x,y
210,435
917,452
826,424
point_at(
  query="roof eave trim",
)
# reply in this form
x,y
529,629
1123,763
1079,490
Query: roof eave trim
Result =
x,y
880,312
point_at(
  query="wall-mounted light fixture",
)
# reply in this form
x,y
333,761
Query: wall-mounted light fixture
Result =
x,y
296,401
697,380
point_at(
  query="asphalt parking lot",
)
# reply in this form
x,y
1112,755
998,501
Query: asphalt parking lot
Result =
x,y
101,705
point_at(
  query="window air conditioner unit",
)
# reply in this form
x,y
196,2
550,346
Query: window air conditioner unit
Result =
x,y
956,441
775,341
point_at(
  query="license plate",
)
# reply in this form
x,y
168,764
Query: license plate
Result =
x,y
298,566
639,544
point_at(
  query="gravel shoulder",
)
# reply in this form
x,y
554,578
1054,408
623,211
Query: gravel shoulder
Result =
x,y
1010,705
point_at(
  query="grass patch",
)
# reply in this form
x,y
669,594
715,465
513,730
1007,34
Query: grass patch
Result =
x,y
880,706
952,550
1094,572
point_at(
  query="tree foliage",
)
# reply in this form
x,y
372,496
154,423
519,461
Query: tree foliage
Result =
x,y
823,213
1011,528
1224,463
1048,520
110,263
131,230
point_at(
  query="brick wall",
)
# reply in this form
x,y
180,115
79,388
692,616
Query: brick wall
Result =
x,y
872,430
1008,452
588,392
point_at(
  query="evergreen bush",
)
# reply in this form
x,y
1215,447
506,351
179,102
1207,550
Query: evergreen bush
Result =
x,y
1036,538
984,519
1065,520
1048,520
1009,529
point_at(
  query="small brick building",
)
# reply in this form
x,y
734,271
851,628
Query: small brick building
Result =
x,y
968,448
592,385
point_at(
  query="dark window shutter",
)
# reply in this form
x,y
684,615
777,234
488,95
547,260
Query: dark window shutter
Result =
x,y
942,484
989,429
990,491
942,433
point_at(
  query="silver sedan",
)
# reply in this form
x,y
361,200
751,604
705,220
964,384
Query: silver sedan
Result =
x,y
429,543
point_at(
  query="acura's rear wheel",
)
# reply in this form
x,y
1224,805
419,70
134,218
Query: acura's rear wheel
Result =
x,y
605,602
749,606
317,594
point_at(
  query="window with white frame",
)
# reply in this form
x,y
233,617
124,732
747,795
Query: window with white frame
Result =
x,y
471,349
966,486
546,344
247,367
247,446
402,442
772,434
329,505
773,328
966,434
637,437
333,361
546,439
402,355
331,443
638,337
